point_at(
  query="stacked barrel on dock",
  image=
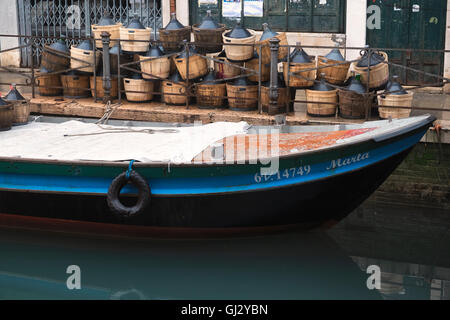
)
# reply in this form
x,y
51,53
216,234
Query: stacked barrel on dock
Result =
x,y
222,68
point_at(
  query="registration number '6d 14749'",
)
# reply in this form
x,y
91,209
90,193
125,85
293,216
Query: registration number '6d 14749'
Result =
x,y
284,174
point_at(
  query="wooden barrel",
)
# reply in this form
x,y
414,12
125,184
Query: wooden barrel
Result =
x,y
138,90
352,105
198,66
239,53
172,40
401,100
225,71
172,93
113,30
21,112
238,95
254,65
135,40
282,101
84,55
75,86
336,74
53,60
265,50
212,36
210,95
159,67
48,84
317,109
98,81
379,74
6,117
298,82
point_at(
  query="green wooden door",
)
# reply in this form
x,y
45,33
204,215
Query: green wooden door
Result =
x,y
414,25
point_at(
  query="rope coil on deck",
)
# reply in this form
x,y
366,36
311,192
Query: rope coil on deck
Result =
x,y
105,118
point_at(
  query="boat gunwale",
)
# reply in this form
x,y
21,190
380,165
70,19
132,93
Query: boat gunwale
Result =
x,y
425,120
187,195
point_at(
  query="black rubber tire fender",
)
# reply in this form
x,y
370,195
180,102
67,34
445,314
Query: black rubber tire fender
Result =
x,y
114,204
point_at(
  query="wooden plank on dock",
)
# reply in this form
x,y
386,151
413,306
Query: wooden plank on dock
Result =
x,y
160,112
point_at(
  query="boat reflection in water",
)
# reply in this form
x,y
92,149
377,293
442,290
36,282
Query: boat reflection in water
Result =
x,y
288,266
410,245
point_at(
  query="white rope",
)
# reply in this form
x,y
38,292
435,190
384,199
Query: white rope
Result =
x,y
110,108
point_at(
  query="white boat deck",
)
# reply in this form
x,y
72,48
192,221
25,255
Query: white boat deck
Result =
x,y
73,140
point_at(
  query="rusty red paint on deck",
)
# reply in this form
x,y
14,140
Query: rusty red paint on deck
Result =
x,y
246,147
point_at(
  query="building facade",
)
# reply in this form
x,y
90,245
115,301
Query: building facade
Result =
x,y
401,24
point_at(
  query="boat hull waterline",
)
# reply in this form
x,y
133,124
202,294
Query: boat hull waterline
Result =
x,y
309,189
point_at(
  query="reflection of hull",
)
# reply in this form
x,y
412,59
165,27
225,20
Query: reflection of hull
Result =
x,y
288,266
310,188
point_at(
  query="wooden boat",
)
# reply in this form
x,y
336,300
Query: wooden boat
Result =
x,y
319,174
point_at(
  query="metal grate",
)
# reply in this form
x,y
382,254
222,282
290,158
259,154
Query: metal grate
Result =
x,y
73,18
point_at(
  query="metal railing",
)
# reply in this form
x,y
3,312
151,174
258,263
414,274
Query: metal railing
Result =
x,y
72,19
189,85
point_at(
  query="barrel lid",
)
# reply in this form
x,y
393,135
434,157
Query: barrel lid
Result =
x,y
135,23
14,94
238,32
176,77
299,55
85,45
59,45
322,85
394,87
335,54
174,24
375,58
106,20
356,85
154,51
267,33
208,22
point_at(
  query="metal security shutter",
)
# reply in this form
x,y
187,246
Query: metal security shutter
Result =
x,y
73,18
285,15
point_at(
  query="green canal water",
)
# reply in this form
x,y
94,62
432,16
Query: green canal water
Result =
x,y
409,245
